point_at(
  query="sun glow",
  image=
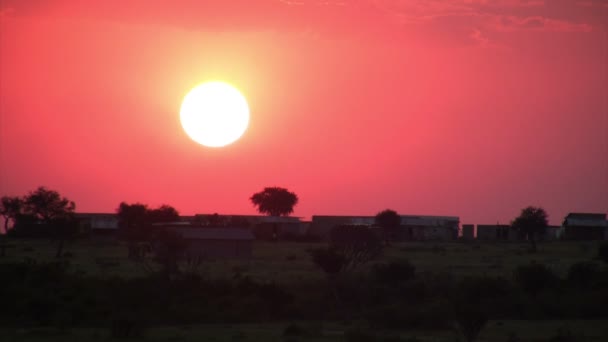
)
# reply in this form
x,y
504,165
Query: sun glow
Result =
x,y
214,114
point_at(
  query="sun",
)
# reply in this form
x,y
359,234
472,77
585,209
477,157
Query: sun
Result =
x,y
214,114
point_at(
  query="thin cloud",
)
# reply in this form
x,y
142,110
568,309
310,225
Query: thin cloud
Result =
x,y
537,23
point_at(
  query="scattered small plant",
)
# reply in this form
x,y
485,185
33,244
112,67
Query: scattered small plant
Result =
x,y
563,335
534,278
602,252
359,335
294,329
583,275
394,272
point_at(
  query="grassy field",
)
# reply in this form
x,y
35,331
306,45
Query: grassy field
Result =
x,y
289,261
523,331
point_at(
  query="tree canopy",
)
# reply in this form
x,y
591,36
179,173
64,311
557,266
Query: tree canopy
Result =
x,y
275,201
10,208
388,219
532,222
48,205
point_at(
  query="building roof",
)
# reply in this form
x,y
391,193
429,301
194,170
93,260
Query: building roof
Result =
x,y
415,220
85,215
484,226
586,216
214,233
252,218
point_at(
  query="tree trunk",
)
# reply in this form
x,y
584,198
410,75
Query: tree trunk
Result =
x,y
59,249
6,225
533,242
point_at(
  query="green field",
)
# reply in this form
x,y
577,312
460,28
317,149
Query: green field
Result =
x,y
289,261
524,331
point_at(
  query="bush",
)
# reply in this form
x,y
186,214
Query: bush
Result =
x,y
584,275
293,330
358,335
534,278
394,272
328,259
563,335
602,252
470,320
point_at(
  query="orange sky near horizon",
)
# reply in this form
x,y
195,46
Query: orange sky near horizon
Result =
x,y
472,108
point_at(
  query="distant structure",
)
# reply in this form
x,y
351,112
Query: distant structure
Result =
x,y
468,232
496,232
98,223
263,227
413,227
212,243
585,226
553,233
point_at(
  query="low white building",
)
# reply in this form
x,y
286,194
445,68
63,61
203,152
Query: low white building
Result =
x,y
98,223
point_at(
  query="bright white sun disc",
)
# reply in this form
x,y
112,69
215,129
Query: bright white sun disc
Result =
x,y
214,114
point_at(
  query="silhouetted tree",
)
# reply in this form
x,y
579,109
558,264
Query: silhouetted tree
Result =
x,y
136,222
357,244
132,215
47,205
133,220
169,247
389,221
163,214
532,222
55,212
10,208
274,201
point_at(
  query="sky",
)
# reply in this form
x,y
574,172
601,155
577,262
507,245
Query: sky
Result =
x,y
469,108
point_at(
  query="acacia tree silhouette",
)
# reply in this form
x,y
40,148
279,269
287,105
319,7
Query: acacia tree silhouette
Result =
x,y
53,210
532,221
10,208
275,201
389,221
136,221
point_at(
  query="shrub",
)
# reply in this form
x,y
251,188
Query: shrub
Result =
x,y
534,278
328,259
470,320
602,252
563,335
294,330
394,272
359,335
584,275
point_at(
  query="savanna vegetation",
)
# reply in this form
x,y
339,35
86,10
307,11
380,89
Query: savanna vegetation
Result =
x,y
413,290
354,287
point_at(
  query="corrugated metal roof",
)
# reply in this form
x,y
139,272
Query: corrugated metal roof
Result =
x,y
417,220
214,233
586,222
587,216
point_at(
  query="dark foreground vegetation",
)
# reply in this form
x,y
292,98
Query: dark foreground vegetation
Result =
x,y
60,283
390,298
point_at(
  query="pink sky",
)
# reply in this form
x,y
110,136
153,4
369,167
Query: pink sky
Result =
x,y
474,108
